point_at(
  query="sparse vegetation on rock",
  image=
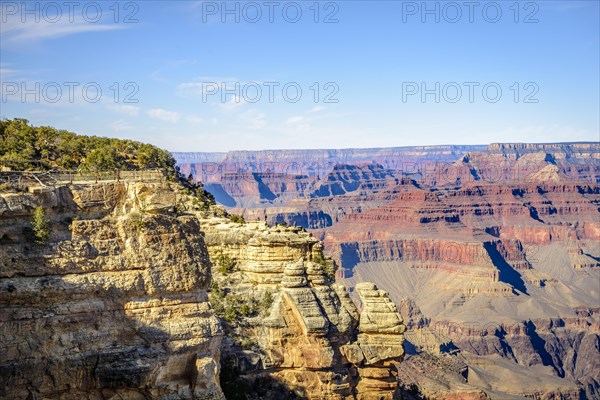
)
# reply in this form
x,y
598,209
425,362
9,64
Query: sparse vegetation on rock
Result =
x,y
238,219
225,264
40,225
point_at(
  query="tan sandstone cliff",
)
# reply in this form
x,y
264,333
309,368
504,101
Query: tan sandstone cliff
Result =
x,y
116,304
309,340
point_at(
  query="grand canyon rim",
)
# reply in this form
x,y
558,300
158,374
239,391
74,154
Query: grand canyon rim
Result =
x,y
325,200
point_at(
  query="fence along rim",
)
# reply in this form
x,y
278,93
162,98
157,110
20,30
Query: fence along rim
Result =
x,y
74,176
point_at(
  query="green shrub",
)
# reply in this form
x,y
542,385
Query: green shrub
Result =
x,y
238,219
319,258
230,313
137,221
266,303
40,225
225,264
247,343
180,209
328,265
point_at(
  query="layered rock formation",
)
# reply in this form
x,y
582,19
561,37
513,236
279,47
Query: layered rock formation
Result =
x,y
251,179
298,331
496,249
114,305
119,303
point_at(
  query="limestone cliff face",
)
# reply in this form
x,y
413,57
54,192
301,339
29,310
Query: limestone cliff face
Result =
x,y
308,338
560,150
119,303
115,305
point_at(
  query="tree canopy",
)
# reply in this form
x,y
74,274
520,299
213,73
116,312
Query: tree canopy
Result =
x,y
25,147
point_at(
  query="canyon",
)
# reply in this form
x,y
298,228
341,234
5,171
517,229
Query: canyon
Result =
x,y
437,272
492,253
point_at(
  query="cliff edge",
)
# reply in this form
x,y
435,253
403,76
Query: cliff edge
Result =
x,y
142,290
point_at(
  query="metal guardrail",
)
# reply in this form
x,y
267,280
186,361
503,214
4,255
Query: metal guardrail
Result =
x,y
23,179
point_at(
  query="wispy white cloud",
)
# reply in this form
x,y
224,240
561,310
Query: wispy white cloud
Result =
x,y
233,104
294,120
16,32
8,71
4,71
207,84
164,73
303,121
224,90
164,115
194,119
121,126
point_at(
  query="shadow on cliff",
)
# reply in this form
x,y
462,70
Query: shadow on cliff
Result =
x,y
263,189
506,273
97,353
260,386
220,194
539,345
349,258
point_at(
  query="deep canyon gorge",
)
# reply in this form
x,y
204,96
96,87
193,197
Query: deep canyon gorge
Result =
x,y
438,272
491,252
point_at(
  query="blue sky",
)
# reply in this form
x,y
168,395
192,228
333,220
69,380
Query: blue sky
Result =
x,y
373,57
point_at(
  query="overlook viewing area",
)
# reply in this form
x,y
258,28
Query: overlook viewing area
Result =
x,y
22,180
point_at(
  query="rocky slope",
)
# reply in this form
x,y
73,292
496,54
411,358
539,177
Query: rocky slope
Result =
x,y
115,305
118,304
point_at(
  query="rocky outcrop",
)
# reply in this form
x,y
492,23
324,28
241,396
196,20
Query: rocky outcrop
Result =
x,y
305,335
114,305
379,342
124,301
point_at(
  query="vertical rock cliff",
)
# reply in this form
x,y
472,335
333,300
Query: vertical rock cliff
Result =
x,y
290,329
114,305
143,292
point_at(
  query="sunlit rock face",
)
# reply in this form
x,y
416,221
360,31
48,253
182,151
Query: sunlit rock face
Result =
x,y
309,340
114,305
121,303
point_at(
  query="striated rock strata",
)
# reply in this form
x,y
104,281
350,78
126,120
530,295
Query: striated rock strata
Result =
x,y
124,302
309,339
114,305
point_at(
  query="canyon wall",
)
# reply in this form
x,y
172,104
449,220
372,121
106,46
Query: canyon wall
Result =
x,y
495,250
115,305
144,290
